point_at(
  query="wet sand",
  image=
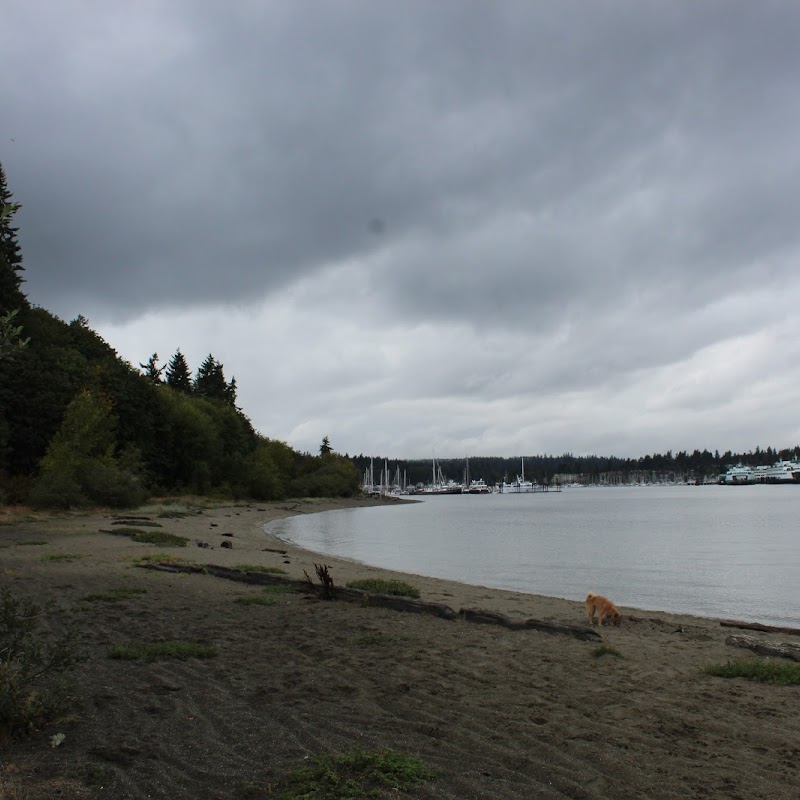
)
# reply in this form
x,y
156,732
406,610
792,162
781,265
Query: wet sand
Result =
x,y
497,713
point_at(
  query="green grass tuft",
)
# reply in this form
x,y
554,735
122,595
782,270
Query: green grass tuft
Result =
x,y
115,595
379,586
154,651
31,543
160,538
279,588
355,775
375,639
606,650
776,672
260,568
139,523
162,558
60,557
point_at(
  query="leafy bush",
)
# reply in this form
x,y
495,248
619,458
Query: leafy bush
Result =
x,y
80,466
31,665
380,586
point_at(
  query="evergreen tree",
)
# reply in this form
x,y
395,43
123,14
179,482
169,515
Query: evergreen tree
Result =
x,y
325,448
151,369
230,392
10,251
178,376
210,380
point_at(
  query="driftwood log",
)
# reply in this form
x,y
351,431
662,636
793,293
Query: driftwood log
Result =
x,y
493,618
757,626
779,649
397,603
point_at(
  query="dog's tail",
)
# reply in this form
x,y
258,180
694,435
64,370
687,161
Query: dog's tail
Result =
x,y
590,595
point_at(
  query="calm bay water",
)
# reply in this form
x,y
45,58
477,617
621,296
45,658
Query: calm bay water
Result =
x,y
719,551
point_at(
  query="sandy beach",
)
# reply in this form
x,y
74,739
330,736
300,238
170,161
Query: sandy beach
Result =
x,y
495,712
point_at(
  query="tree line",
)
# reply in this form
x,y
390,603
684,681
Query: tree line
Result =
x,y
548,469
79,425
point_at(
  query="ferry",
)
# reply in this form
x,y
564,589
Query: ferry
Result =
x,y
780,472
740,475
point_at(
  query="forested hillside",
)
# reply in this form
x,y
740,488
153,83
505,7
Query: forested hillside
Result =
x,y
79,425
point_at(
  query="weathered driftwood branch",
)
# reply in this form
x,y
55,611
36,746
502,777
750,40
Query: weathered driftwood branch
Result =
x,y
326,588
779,649
395,602
757,626
493,618
578,631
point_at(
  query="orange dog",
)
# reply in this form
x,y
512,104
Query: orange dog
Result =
x,y
603,606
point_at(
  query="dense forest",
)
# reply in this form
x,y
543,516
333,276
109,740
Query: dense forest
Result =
x,y
79,425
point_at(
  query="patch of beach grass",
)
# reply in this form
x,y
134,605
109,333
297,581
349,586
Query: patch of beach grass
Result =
x,y
353,775
380,586
32,543
606,650
763,671
60,557
115,595
162,558
157,651
256,600
375,639
279,588
139,523
260,568
161,538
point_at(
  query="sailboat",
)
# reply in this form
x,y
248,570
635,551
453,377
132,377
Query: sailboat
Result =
x,y
518,486
440,485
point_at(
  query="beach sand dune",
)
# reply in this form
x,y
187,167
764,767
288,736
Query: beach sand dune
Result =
x,y
497,713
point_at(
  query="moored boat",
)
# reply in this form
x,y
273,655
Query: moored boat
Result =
x,y
739,475
781,472
519,485
478,486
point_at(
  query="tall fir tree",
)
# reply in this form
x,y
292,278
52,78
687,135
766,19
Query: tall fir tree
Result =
x,y
152,371
210,380
11,295
230,392
178,376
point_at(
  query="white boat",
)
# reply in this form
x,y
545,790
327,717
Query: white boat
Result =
x,y
478,486
439,484
519,485
740,475
780,472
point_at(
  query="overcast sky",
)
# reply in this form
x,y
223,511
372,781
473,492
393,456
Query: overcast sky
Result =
x,y
451,228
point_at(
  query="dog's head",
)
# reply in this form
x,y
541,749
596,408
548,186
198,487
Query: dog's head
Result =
x,y
615,616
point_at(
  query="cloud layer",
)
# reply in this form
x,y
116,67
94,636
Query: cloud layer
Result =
x,y
486,228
